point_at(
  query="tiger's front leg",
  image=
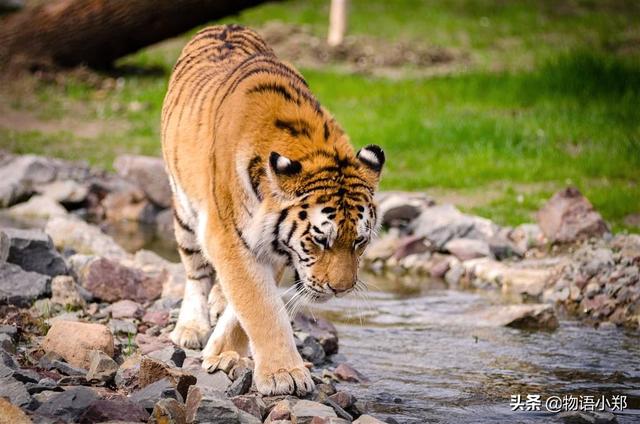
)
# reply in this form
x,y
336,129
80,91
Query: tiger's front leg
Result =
x,y
250,289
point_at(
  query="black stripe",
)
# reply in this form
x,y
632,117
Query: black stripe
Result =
x,y
189,251
294,226
181,223
295,128
273,88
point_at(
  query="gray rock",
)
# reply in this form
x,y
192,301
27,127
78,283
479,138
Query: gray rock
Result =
x,y
33,251
442,223
465,248
74,234
65,291
37,207
5,245
149,395
455,273
102,367
207,406
149,174
168,411
126,309
21,288
251,404
368,419
68,405
109,410
241,384
64,191
45,384
346,372
398,208
320,329
7,343
218,381
568,216
304,411
17,393
312,351
172,355
19,176
67,369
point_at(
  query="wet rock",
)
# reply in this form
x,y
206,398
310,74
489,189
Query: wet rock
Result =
x,y
68,405
465,248
149,395
346,372
126,309
250,404
368,419
320,329
170,355
74,234
152,370
74,341
16,392
304,411
21,288
311,350
11,414
111,281
527,316
568,216
587,417
241,384
411,246
442,223
204,405
104,410
340,411
526,277
168,411
102,367
65,291
149,173
343,399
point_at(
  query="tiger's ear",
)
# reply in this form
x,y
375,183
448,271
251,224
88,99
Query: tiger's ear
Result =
x,y
372,157
284,173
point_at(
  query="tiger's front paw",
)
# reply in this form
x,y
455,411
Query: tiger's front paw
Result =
x,y
191,334
284,381
225,362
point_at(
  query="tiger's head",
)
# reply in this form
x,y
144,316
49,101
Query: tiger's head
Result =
x,y
328,218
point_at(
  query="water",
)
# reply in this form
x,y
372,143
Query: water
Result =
x,y
429,360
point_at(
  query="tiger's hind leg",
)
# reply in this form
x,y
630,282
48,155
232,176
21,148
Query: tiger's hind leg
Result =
x,y
228,345
193,326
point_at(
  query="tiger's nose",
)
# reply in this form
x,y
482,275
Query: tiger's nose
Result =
x,y
341,287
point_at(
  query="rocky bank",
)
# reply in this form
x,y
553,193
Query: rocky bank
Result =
x,y
85,321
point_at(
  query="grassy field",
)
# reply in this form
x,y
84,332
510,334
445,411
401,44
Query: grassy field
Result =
x,y
549,97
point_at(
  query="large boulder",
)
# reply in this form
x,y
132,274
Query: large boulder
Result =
x,y
19,287
33,250
76,341
149,174
568,216
81,237
37,207
397,208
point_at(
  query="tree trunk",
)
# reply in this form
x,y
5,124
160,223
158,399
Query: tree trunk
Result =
x,y
337,22
68,33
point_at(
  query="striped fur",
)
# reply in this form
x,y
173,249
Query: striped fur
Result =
x,y
263,178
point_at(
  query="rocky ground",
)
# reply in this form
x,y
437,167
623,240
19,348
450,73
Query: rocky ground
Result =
x,y
85,322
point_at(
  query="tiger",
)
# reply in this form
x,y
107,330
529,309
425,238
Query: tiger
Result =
x,y
264,179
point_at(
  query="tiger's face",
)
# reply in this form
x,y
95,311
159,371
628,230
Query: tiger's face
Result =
x,y
324,232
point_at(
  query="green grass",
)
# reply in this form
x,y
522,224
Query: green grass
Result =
x,y
548,100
